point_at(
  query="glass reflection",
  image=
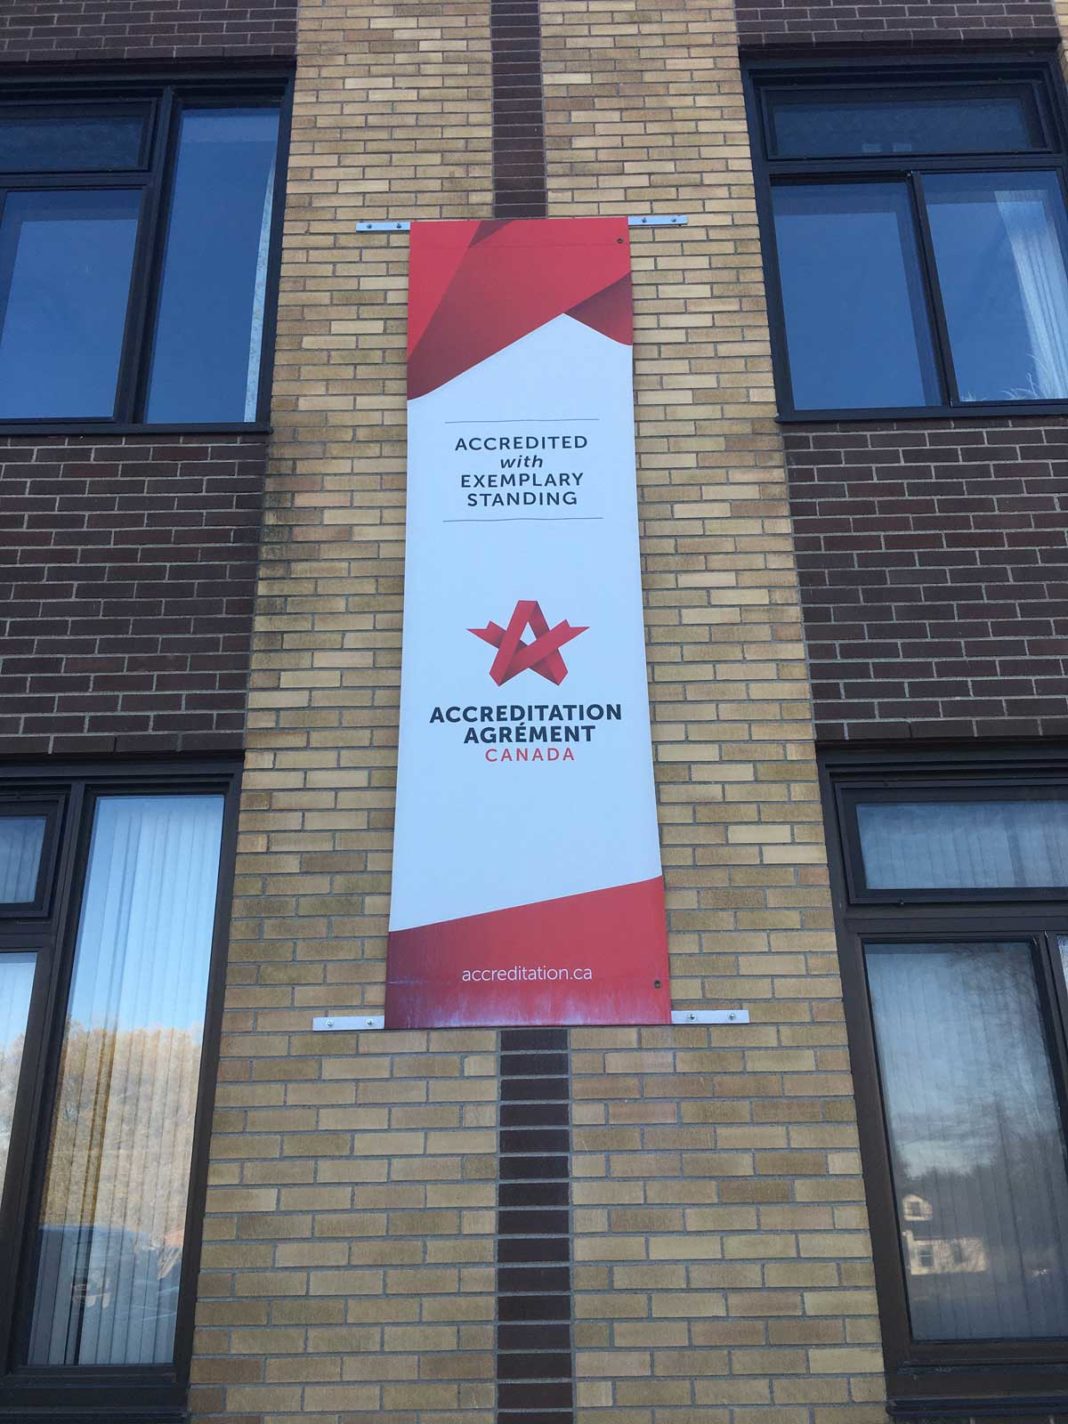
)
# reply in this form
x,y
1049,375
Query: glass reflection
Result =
x,y
206,360
65,264
975,1137
912,121
16,985
856,324
33,141
1000,242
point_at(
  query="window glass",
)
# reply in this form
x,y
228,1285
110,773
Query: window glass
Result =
x,y
32,140
856,326
111,1234
976,1140
964,845
904,121
16,984
65,264
21,843
209,331
999,241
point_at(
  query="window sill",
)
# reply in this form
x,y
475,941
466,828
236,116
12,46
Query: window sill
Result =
x,y
105,1397
998,1392
959,1411
41,428
972,414
82,1414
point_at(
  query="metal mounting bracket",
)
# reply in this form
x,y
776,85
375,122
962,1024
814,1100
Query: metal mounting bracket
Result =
x,y
709,1016
646,220
363,1023
346,1023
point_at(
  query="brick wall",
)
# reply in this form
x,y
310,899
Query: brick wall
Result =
x,y
348,1269
723,1268
933,566
85,30
126,584
900,24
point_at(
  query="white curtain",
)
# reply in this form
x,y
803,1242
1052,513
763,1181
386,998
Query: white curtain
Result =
x,y
21,839
975,1137
1032,231
964,845
111,1235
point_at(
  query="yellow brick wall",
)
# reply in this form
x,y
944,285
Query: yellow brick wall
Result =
x,y
723,1267
348,1260
722,1263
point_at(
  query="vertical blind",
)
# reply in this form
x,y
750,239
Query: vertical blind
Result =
x,y
113,1218
975,1139
21,841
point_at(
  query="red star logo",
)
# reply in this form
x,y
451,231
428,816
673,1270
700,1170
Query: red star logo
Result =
x,y
514,656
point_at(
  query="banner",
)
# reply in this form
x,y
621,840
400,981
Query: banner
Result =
x,y
527,886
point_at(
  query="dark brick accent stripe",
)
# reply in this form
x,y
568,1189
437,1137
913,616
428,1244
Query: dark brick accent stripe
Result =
x,y
933,564
519,181
127,578
534,1361
535,1372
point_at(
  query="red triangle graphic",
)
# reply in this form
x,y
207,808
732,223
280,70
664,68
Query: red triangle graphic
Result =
x,y
610,312
443,256
514,279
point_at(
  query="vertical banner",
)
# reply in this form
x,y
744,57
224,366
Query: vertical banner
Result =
x,y
527,886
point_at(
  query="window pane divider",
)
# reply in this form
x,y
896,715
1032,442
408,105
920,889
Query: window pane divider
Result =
x,y
147,264
932,292
1052,1000
900,165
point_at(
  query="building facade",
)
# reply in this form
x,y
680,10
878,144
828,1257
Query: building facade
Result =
x,y
851,410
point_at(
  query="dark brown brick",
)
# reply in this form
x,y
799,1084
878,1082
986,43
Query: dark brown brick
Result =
x,y
131,570
932,565
806,23
80,30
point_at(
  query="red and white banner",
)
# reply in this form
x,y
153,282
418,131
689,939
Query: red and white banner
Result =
x,y
527,886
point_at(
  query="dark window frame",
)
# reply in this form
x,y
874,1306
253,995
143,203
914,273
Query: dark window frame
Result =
x,y
72,1393
1007,71
1021,1377
166,95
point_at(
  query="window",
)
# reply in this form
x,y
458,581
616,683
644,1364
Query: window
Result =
x,y
111,902
915,236
137,249
952,912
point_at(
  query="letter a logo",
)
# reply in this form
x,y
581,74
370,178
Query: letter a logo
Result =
x,y
514,656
